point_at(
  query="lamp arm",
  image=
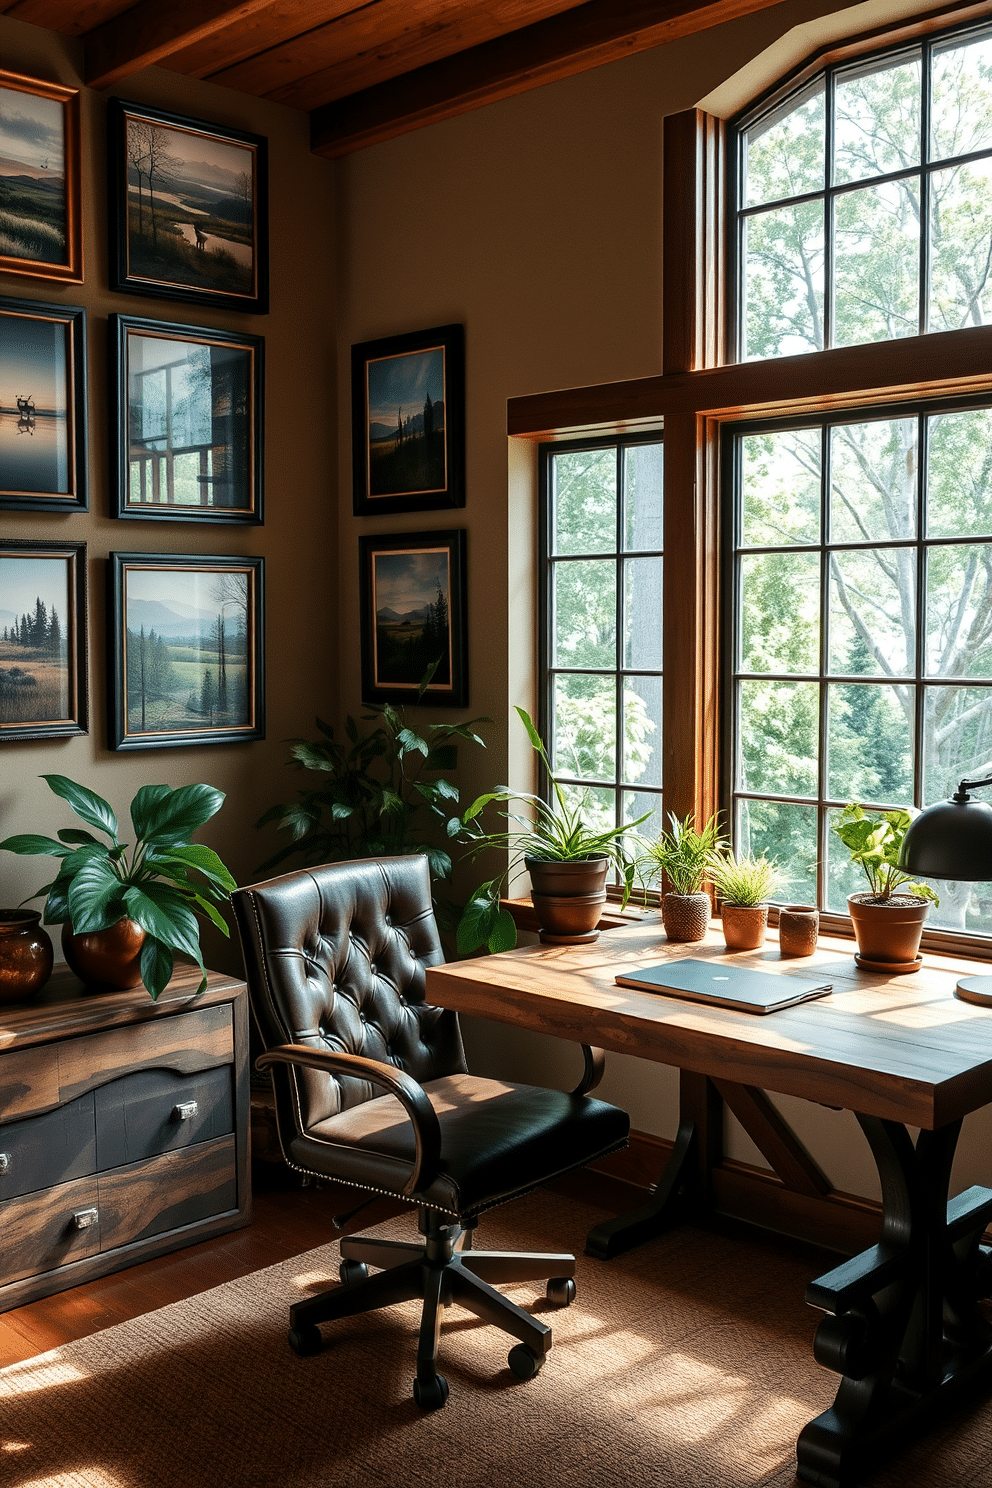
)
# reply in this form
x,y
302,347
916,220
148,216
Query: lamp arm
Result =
x,y
961,794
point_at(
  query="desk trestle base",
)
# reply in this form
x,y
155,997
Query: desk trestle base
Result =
x,y
670,1202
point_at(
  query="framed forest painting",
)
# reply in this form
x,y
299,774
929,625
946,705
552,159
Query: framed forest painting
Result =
x,y
40,222
414,617
188,209
185,641
43,692
408,422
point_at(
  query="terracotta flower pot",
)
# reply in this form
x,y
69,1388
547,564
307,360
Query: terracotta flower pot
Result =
x,y
888,932
568,898
744,925
26,954
109,959
685,916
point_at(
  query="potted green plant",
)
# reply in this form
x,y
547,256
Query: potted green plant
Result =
x,y
888,918
567,861
126,908
744,882
683,856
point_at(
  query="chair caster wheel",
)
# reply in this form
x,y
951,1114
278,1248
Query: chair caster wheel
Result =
x,y
352,1272
524,1362
305,1340
561,1291
430,1394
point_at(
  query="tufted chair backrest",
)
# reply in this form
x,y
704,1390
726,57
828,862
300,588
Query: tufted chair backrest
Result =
x,y
335,958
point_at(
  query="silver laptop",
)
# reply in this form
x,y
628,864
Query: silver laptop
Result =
x,y
726,986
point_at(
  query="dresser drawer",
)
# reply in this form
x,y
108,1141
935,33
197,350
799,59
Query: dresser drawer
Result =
x,y
39,1231
157,1111
43,1150
167,1193
197,1040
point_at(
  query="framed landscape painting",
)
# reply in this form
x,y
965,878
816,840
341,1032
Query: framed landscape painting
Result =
x,y
42,406
188,209
408,422
40,222
42,639
414,618
187,406
185,640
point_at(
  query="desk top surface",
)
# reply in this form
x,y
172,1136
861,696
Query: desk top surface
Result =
x,y
900,1047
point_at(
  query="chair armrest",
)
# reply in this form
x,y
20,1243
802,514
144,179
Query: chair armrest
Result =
x,y
595,1067
412,1097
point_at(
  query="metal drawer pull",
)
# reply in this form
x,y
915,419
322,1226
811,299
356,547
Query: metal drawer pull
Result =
x,y
4,1161
186,1110
84,1219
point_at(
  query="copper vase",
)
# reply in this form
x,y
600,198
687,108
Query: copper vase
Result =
x,y
107,959
26,954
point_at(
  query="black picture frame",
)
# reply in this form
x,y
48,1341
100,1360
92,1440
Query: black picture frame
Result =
x,y
143,146
187,427
402,574
412,375
43,681
42,406
40,176
186,650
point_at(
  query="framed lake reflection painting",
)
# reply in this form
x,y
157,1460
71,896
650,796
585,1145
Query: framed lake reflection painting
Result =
x,y
40,222
414,618
185,641
42,406
408,422
188,209
42,639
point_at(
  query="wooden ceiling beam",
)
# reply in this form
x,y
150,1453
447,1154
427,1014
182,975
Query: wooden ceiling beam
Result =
x,y
574,41
154,30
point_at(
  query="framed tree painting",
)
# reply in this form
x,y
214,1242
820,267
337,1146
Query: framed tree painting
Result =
x,y
187,405
188,209
42,639
414,618
408,422
185,642
40,222
42,406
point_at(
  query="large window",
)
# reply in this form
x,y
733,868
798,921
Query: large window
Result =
x,y
602,628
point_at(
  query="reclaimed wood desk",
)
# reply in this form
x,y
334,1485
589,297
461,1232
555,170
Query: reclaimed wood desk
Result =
x,y
903,1326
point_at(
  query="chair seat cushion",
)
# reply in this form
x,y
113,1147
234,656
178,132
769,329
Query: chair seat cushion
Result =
x,y
497,1139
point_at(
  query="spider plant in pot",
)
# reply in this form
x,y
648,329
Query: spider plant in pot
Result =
x,y
567,861
888,918
744,882
683,856
126,908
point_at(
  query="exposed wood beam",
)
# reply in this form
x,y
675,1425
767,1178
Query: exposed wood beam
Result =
x,y
155,29
574,41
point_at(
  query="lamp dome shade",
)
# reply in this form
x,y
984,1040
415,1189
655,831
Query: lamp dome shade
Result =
x,y
950,840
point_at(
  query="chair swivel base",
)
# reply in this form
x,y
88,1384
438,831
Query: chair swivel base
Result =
x,y
441,1275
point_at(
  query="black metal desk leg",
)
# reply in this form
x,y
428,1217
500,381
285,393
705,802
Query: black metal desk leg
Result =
x,y
903,1326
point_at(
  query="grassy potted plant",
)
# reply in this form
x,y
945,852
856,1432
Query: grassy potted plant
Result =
x,y
888,918
567,861
682,856
744,882
125,908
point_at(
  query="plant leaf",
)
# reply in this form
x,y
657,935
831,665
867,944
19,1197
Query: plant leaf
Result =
x,y
503,934
156,966
164,913
174,817
202,858
95,897
85,803
28,844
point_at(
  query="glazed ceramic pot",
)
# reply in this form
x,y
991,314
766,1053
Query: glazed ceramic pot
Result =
x,y
685,916
568,898
109,959
26,954
888,932
744,925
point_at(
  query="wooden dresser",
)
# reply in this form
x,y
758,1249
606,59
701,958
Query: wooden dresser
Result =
x,y
123,1128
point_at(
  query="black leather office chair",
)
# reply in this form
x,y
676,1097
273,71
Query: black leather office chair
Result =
x,y
335,960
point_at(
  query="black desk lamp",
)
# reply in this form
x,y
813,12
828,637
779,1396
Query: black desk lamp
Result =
x,y
954,840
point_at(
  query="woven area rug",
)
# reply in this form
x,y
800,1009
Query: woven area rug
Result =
x,y
684,1364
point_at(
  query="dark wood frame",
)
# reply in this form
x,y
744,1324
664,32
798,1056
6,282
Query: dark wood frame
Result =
x,y
74,554
119,111
72,271
451,340
73,317
122,328
455,694
118,566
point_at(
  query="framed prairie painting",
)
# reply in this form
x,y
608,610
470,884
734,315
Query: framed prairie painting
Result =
x,y
40,222
42,639
185,641
408,422
188,209
187,406
414,618
42,406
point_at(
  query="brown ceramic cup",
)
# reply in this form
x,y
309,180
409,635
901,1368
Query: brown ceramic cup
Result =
x,y
798,927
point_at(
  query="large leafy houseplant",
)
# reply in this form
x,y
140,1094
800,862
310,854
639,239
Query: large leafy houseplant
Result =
x,y
888,919
161,881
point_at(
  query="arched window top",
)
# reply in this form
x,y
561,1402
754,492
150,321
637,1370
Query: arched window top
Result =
x,y
864,208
